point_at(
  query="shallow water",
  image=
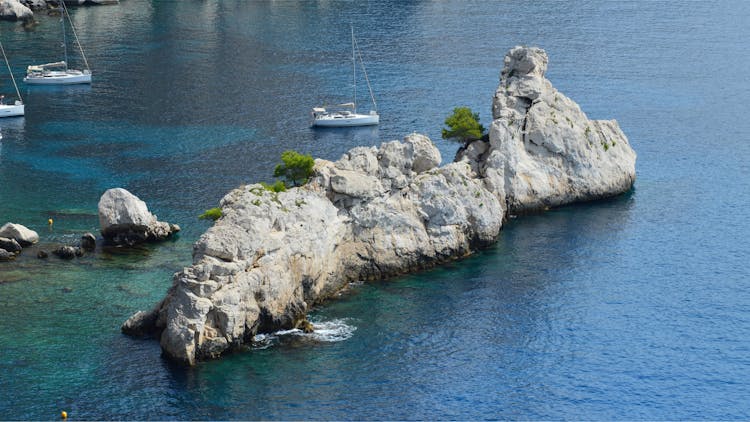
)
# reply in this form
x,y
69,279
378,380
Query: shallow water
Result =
x,y
632,308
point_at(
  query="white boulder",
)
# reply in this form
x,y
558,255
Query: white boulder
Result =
x,y
24,236
13,10
125,219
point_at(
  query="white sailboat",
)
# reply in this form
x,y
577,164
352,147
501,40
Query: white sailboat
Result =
x,y
58,73
345,115
17,108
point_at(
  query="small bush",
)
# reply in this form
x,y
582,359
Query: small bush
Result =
x,y
278,186
463,125
296,168
211,214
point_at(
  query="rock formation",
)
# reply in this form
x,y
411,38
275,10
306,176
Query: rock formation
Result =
x,y
125,220
543,150
13,10
379,212
24,236
88,242
13,237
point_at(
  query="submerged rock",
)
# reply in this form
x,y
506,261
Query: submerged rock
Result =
x,y
125,220
24,236
65,252
383,211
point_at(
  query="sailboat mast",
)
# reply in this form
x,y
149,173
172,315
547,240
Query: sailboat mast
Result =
x,y
75,35
364,70
354,66
62,25
11,72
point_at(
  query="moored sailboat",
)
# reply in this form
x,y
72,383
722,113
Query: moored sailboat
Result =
x,y
17,108
58,73
345,115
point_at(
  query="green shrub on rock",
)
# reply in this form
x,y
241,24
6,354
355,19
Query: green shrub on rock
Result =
x,y
277,186
211,214
463,125
296,168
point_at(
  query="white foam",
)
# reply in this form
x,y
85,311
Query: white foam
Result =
x,y
323,331
332,331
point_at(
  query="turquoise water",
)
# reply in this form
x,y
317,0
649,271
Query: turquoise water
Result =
x,y
632,308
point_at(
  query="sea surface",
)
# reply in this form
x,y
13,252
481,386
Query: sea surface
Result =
x,y
636,307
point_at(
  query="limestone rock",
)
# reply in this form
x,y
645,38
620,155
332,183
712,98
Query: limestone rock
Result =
x,y
24,236
10,245
125,219
88,242
140,324
375,213
543,150
383,211
13,10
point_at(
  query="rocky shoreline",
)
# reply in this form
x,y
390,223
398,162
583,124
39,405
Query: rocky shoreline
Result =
x,y
384,211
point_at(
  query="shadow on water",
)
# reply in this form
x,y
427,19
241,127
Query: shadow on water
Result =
x,y
331,143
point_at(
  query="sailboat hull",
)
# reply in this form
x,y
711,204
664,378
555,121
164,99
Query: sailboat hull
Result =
x,y
7,110
346,120
68,77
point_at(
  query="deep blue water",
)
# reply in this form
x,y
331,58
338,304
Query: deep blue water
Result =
x,y
632,308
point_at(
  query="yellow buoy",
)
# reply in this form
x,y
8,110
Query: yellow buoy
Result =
x,y
50,221
64,414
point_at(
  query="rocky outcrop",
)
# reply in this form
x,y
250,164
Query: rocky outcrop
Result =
x,y
375,213
13,10
382,211
125,220
543,151
24,236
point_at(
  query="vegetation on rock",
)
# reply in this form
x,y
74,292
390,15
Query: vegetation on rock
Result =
x,y
278,186
463,125
212,214
296,168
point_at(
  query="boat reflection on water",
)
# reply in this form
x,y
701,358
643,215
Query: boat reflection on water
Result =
x,y
336,141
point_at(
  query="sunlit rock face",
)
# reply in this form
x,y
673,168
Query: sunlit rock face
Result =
x,y
383,211
543,151
13,10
